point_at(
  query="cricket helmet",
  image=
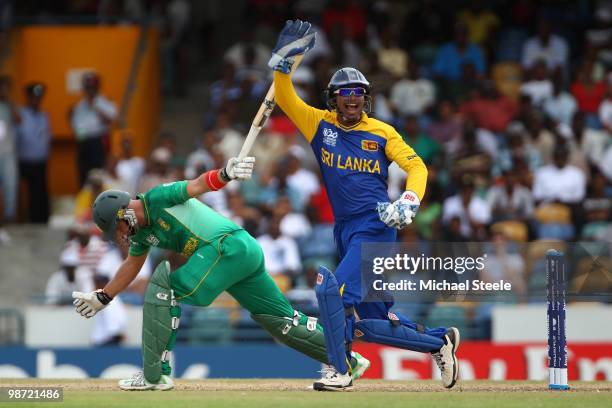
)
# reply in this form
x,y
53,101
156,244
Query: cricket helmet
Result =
x,y
348,78
107,210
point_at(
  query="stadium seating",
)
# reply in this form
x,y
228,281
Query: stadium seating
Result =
x,y
512,230
447,316
507,78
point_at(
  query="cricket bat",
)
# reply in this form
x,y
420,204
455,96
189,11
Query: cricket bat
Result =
x,y
263,113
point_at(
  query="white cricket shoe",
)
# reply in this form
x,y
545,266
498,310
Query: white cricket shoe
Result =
x,y
446,359
332,380
361,367
138,383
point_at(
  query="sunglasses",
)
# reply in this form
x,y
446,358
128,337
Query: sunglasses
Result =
x,y
345,92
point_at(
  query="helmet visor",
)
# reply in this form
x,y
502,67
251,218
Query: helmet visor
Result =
x,y
346,92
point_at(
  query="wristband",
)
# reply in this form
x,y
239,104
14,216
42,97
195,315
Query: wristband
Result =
x,y
223,176
214,180
103,297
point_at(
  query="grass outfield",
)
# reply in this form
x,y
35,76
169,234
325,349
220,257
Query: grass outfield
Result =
x,y
284,393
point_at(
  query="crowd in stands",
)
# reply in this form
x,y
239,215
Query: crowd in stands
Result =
x,y
509,104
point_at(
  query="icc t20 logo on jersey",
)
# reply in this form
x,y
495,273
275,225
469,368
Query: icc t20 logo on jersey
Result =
x,y
329,137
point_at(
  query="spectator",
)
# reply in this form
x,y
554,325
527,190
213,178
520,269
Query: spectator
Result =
x,y
452,56
225,89
245,216
447,126
345,52
280,251
428,26
319,204
588,92
229,140
509,200
605,109
300,179
70,277
540,137
167,140
473,213
159,170
503,263
347,15
129,168
463,89
235,55
91,119
109,265
390,56
519,148
599,34
412,95
577,157
90,247
482,24
606,163
308,11
561,105
427,221
303,81
33,140
88,193
597,207
539,87
469,157
178,18
111,177
201,159
453,231
592,142
8,157
110,324
489,109
253,87
426,147
546,46
292,224
559,181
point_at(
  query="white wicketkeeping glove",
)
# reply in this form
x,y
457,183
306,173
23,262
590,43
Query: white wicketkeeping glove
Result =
x,y
88,304
239,169
400,213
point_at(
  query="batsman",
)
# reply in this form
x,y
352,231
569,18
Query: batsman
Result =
x,y
354,152
221,257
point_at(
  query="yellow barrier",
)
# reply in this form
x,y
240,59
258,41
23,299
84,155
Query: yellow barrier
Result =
x,y
56,55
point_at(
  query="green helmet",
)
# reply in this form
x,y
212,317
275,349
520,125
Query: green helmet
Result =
x,y
106,211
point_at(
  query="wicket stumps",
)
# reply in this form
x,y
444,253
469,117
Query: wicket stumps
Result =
x,y
555,291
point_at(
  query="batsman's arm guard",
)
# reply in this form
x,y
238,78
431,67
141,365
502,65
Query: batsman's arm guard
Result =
x,y
385,332
332,318
160,321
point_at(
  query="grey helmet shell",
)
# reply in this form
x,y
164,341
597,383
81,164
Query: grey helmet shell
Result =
x,y
344,77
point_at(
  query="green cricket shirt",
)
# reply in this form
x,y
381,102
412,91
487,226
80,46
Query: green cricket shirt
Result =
x,y
177,222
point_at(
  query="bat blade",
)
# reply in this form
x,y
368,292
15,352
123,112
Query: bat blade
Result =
x,y
262,115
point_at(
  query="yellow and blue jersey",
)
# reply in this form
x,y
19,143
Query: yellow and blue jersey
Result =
x,y
354,161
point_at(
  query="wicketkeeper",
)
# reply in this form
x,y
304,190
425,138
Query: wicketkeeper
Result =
x,y
222,257
354,152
